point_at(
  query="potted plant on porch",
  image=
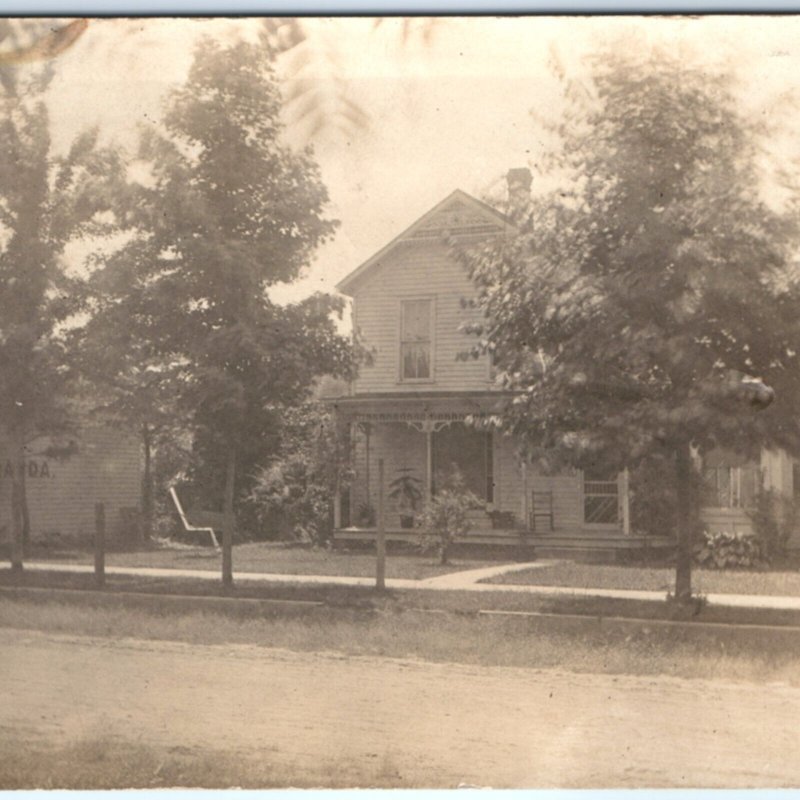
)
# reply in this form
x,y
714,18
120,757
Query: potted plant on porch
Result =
x,y
406,491
365,516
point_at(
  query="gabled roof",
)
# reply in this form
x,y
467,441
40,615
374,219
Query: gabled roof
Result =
x,y
458,213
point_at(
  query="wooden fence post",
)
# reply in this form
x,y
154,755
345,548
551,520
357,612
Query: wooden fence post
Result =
x,y
380,543
99,545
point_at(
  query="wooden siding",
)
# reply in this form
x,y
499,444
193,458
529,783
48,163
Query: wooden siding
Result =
x,y
566,489
62,492
735,520
776,467
567,499
417,270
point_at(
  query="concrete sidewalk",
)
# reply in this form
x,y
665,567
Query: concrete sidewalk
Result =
x,y
459,581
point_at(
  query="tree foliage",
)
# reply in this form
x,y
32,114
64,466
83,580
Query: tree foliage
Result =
x,y
296,489
226,212
655,276
46,203
310,50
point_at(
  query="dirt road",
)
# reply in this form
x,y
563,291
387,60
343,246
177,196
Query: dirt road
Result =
x,y
431,724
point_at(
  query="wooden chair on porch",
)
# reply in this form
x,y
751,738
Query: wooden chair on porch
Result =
x,y
541,513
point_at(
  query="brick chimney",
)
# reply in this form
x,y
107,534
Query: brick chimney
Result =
x,y
519,182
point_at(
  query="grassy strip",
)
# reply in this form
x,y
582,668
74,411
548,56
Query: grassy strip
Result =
x,y
655,579
459,602
514,642
270,558
104,761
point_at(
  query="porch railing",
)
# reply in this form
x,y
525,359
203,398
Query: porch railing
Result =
x,y
601,502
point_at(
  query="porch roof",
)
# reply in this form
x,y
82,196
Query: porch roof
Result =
x,y
405,406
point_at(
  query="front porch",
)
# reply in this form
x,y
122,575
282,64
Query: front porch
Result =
x,y
421,437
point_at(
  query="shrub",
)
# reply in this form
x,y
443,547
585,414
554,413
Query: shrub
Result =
x,y
300,484
729,550
289,488
774,519
445,516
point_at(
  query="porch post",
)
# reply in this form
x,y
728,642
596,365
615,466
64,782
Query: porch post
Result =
x,y
625,501
525,499
342,431
429,462
337,505
352,432
366,462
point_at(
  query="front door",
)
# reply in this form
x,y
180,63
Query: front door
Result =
x,y
463,449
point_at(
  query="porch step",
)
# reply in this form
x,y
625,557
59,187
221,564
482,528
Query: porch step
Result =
x,y
413,535
600,549
585,555
569,544
591,540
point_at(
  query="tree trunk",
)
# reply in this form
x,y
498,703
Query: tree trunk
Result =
x,y
685,523
17,442
24,510
229,522
147,483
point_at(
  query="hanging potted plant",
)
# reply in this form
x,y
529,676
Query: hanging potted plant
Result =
x,y
406,491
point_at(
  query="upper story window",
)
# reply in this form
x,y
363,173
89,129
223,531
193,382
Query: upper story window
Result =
x,y
416,339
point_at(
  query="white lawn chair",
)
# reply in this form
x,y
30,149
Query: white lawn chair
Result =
x,y
196,524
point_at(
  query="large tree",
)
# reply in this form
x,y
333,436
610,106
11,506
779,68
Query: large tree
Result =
x,y
652,278
227,211
46,202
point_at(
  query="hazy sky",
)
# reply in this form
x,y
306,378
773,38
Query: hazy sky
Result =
x,y
451,111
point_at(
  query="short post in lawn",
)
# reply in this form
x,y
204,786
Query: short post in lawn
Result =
x,y
380,541
99,545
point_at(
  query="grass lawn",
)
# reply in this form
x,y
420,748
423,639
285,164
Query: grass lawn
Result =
x,y
597,576
272,558
469,639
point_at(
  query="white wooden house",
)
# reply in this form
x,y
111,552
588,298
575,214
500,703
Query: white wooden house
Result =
x,y
409,405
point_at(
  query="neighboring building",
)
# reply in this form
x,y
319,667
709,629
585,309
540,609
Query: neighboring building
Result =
x,y
732,484
411,405
67,477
